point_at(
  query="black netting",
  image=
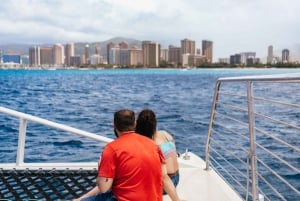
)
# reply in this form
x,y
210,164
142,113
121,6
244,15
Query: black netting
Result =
x,y
45,185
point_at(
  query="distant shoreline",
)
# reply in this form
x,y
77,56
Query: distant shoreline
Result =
x,y
103,68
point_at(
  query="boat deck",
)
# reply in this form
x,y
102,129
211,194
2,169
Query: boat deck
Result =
x,y
208,184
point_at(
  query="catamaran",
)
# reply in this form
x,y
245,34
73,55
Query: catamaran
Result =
x,y
239,163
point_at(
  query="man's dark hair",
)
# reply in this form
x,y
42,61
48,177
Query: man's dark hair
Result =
x,y
146,123
124,120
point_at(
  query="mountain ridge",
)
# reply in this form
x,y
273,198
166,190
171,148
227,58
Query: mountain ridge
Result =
x,y
78,46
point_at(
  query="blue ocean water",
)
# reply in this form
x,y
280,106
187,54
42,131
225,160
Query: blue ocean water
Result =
x,y
87,99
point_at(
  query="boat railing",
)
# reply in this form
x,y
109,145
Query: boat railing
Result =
x,y
23,120
45,180
253,136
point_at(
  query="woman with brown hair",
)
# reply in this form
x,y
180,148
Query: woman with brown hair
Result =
x,y
147,125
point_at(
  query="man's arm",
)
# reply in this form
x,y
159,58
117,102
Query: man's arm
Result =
x,y
104,184
92,192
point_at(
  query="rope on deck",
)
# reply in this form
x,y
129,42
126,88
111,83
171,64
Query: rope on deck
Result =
x,y
45,185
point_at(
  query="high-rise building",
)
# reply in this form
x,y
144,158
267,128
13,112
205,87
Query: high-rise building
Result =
x,y
270,54
207,50
69,52
235,59
188,46
46,57
196,60
123,45
285,56
25,59
58,54
75,60
174,55
97,50
136,57
247,55
87,54
108,47
114,56
96,59
34,56
124,57
151,53
164,55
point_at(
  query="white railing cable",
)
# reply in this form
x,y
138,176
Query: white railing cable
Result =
x,y
277,102
229,129
279,159
277,121
271,187
232,177
279,177
278,139
230,142
232,107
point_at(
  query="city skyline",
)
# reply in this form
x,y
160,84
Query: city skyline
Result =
x,y
150,54
234,26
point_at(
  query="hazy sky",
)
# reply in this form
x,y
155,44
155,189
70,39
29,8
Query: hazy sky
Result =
x,y
233,25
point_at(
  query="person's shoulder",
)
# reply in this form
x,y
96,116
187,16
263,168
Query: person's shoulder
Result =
x,y
139,136
144,139
166,134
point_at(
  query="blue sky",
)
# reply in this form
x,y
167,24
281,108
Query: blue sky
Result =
x,y
233,25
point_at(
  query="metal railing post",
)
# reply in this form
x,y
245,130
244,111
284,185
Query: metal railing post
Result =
x,y
213,108
252,139
21,142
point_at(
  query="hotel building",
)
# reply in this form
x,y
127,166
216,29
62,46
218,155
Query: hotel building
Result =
x,y
108,47
270,54
34,56
87,54
69,52
136,57
285,56
58,54
46,56
207,50
175,56
188,46
151,53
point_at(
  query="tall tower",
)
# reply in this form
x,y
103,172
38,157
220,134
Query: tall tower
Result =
x,y
108,47
34,56
207,50
97,50
69,52
285,56
47,56
174,55
87,54
270,54
151,53
123,45
188,46
58,54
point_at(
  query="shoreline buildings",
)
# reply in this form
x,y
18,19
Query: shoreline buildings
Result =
x,y
138,54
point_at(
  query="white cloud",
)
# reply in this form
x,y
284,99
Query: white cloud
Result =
x,y
233,25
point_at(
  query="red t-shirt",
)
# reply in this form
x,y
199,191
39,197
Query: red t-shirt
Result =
x,y
134,162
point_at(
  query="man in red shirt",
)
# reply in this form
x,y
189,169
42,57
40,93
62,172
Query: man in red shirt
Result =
x,y
132,167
